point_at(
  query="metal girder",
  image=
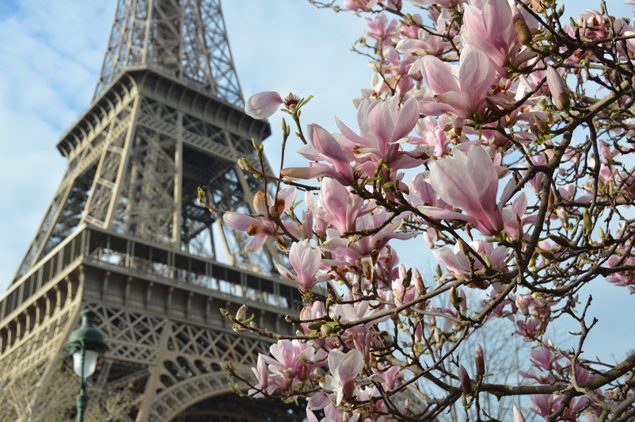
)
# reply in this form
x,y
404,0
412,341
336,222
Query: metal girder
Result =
x,y
125,236
185,39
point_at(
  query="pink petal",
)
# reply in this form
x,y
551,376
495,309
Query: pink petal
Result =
x,y
263,104
350,366
438,75
408,116
239,221
476,75
325,143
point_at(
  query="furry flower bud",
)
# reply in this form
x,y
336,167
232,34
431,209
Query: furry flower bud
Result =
x,y
558,88
479,358
466,382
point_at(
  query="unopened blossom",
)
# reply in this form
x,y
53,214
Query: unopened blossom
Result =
x,y
479,358
558,88
403,288
464,379
263,104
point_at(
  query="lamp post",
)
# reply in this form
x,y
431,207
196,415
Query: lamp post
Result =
x,y
85,344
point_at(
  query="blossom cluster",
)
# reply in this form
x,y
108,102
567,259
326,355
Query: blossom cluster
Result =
x,y
498,137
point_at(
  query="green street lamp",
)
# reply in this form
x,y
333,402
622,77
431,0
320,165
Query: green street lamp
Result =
x,y
85,344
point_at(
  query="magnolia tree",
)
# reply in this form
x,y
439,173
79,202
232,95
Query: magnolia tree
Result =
x,y
498,133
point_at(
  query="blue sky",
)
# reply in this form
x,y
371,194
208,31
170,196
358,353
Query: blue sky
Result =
x,y
50,58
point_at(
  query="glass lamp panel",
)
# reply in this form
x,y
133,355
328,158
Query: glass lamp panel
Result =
x,y
90,363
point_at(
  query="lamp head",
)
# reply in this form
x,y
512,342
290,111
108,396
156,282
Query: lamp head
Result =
x,y
85,344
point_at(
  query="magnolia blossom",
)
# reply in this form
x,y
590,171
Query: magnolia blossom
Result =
x,y
382,124
263,104
305,260
291,362
262,226
464,94
359,4
344,369
461,90
489,25
469,182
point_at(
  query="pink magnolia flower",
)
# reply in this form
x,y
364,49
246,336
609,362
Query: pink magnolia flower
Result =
x,y
341,207
385,31
263,104
424,42
530,328
395,72
359,5
291,362
305,261
350,251
544,359
433,134
311,312
358,337
329,156
443,3
468,182
344,369
624,278
544,404
382,124
489,26
261,226
461,90
390,378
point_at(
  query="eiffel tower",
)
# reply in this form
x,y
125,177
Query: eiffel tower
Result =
x,y
125,237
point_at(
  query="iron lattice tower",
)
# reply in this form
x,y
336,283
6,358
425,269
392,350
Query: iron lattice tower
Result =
x,y
124,235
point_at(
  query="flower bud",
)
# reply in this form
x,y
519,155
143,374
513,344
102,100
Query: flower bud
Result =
x,y
480,361
588,224
455,299
418,282
522,30
368,267
558,88
241,313
466,382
